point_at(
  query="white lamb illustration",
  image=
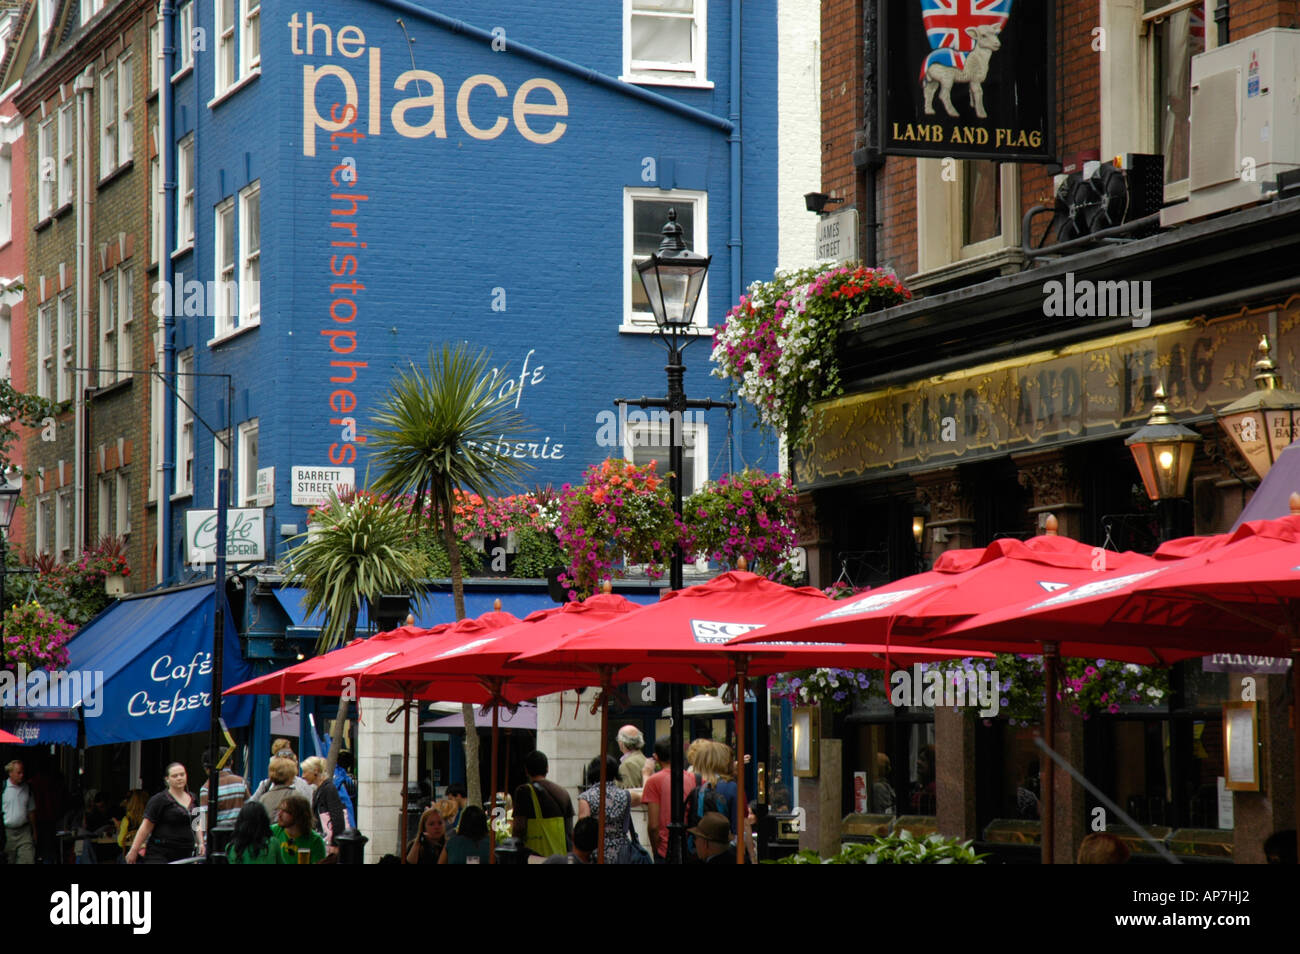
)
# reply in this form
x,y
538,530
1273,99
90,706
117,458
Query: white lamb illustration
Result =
x,y
938,76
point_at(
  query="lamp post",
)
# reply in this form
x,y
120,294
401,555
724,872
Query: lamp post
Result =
x,y
9,492
1163,451
673,278
1264,422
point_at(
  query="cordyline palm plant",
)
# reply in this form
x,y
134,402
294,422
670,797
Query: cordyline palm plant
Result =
x,y
435,433
357,548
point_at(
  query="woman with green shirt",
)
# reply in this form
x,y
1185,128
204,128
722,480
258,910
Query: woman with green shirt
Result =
x,y
251,842
294,832
470,841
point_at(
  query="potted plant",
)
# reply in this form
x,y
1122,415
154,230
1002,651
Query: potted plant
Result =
x,y
750,514
36,637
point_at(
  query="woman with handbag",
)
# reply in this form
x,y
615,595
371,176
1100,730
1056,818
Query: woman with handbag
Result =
x,y
619,803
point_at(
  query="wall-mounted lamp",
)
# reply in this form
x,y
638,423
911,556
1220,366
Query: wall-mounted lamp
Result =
x,y
817,201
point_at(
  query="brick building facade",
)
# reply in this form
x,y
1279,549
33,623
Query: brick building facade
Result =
x,y
1042,404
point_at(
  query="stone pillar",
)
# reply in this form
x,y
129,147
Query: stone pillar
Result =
x,y
822,802
379,792
951,525
954,746
815,538
571,739
1071,805
1256,815
1054,489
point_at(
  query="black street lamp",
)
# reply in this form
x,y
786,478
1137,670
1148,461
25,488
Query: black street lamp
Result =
x,y
9,492
673,278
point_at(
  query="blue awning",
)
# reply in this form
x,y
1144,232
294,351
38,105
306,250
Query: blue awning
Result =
x,y
438,607
61,729
146,662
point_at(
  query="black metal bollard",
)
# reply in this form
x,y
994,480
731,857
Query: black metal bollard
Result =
x,y
351,845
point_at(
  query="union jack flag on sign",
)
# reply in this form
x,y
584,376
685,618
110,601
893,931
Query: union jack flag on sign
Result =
x,y
946,21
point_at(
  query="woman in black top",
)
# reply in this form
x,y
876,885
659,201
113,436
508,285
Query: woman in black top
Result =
x,y
325,801
168,826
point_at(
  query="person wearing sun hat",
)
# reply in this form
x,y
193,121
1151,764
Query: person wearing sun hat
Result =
x,y
713,840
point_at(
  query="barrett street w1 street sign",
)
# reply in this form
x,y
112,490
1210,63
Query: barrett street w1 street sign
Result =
x,y
245,536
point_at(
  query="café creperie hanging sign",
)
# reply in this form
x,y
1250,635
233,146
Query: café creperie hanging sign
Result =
x,y
245,536
968,79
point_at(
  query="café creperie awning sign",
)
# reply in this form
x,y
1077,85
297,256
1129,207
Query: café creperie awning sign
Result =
x,y
968,79
245,536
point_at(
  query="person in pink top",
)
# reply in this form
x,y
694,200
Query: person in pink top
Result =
x,y
657,797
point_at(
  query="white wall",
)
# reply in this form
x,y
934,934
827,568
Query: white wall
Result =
x,y
799,129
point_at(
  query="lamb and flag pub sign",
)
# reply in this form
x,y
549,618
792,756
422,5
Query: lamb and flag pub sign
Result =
x,y
968,79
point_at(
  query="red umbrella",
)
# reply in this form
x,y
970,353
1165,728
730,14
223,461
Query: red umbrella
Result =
x,y
1238,592
683,638
9,739
483,659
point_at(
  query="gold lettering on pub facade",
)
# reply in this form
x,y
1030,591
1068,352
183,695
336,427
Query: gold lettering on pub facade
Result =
x,y
1089,390
968,136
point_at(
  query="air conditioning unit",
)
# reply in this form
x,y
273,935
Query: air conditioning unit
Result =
x,y
1245,123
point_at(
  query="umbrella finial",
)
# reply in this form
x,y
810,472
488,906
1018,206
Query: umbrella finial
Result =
x,y
607,586
1295,504
741,563
410,619
496,605
1051,525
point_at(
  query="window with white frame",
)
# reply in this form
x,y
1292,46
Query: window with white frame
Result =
x,y
45,169
67,345
107,509
45,12
108,125
65,531
1173,39
89,8
184,37
250,254
645,213
664,41
962,227
116,314
6,342
184,483
250,40
220,459
45,521
647,437
6,193
224,250
67,172
125,108
47,335
122,498
185,193
107,329
125,321
225,60
247,491
155,56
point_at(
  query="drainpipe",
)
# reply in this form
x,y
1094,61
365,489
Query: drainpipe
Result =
x,y
736,244
867,157
83,86
166,172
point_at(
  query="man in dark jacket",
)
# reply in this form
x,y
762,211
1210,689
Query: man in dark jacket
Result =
x,y
713,840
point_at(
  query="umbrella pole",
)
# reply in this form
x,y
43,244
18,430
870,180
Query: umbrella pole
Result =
x,y
492,831
406,763
1048,800
1295,723
742,666
604,747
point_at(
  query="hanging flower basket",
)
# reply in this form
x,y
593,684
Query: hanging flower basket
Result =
x,y
36,637
777,346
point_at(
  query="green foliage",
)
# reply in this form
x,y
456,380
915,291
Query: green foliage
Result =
x,y
435,551
536,551
355,549
900,848
25,409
